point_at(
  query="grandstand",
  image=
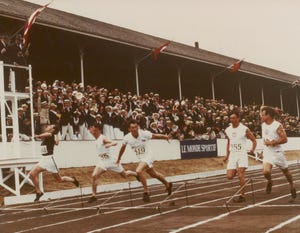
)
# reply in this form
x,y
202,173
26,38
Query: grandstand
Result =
x,y
86,72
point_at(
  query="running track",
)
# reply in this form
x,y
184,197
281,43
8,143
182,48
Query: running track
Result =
x,y
196,206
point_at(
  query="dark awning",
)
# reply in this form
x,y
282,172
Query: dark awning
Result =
x,y
20,10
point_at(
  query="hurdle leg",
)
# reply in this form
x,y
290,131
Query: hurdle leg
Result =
x,y
186,194
130,194
252,189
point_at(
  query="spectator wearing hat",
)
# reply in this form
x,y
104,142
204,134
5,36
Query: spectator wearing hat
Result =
x,y
37,123
107,119
76,122
91,117
66,121
44,115
53,116
4,56
21,120
83,125
124,121
154,128
18,55
116,122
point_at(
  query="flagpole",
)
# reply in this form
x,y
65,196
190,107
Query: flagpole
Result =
x,y
213,87
281,100
297,102
179,83
262,95
136,68
81,66
240,93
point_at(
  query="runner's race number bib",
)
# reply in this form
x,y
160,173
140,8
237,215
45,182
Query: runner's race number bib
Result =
x,y
236,147
140,150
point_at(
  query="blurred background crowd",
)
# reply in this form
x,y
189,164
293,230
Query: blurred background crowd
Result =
x,y
75,108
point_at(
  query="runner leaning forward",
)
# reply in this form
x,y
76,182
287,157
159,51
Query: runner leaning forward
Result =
x,y
274,136
106,161
138,139
47,162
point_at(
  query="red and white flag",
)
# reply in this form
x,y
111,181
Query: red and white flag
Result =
x,y
296,83
157,51
31,21
235,66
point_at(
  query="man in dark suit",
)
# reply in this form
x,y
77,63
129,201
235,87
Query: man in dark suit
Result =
x,y
4,57
66,120
53,118
17,55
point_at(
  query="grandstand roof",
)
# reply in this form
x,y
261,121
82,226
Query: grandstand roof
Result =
x,y
69,22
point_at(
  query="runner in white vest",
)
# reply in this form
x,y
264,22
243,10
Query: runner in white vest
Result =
x,y
138,140
106,161
274,136
237,135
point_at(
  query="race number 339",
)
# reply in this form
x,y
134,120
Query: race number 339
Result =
x,y
140,150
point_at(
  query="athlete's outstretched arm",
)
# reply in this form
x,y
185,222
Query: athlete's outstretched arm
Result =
x,y
108,143
122,149
43,135
250,136
282,138
160,136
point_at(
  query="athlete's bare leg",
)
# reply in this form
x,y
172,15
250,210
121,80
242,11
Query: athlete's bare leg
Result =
x,y
288,176
139,170
155,174
34,176
267,171
61,179
231,174
96,174
127,173
241,175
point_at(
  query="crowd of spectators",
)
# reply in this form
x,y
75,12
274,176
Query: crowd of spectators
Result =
x,y
75,108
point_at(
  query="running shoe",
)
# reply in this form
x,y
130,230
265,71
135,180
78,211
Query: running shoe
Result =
x,y
75,182
239,199
294,193
92,199
38,196
146,197
169,189
269,187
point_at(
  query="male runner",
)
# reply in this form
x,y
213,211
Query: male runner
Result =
x,y
237,135
274,136
106,162
138,139
47,163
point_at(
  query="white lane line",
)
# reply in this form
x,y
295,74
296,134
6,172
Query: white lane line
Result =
x,y
281,225
91,216
204,180
61,207
171,211
226,214
26,210
120,209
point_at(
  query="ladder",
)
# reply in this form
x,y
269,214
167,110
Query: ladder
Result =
x,y
13,159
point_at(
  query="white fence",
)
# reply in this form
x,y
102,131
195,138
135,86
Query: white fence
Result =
x,y
83,153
